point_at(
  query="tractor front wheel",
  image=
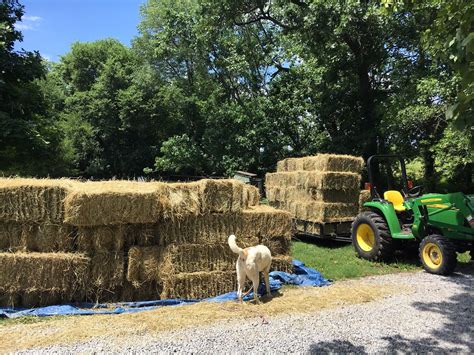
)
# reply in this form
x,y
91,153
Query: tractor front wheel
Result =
x,y
438,255
371,237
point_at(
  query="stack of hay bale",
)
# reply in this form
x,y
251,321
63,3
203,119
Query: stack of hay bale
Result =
x,y
317,189
67,241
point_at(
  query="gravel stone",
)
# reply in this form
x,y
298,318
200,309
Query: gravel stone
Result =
x,y
438,317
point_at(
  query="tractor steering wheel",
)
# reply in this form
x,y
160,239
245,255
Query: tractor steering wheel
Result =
x,y
415,191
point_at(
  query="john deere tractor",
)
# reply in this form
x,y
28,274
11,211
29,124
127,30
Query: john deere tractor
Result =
x,y
442,224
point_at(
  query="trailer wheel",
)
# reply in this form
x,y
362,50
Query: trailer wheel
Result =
x,y
371,237
438,255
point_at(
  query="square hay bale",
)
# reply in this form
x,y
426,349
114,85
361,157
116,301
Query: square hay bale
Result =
x,y
144,264
146,291
184,199
44,237
312,194
364,196
199,284
341,181
323,212
264,221
142,235
106,276
204,229
147,264
226,195
333,162
116,202
33,200
282,263
101,239
277,244
65,273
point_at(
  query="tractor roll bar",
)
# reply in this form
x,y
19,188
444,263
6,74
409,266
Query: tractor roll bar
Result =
x,y
373,190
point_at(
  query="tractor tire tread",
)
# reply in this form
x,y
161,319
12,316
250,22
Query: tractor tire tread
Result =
x,y
449,253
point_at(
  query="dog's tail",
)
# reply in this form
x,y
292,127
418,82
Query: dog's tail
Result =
x,y
233,245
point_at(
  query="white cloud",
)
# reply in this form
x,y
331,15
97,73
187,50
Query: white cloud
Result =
x,y
28,23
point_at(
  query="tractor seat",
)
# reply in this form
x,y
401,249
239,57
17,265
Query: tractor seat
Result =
x,y
396,198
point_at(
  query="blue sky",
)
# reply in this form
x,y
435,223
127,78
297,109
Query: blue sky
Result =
x,y
51,26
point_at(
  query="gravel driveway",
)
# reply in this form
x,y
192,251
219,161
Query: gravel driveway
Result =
x,y
437,317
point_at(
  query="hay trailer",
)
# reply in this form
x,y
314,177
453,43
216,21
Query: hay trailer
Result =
x,y
338,231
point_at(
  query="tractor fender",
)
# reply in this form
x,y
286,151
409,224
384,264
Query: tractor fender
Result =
x,y
387,210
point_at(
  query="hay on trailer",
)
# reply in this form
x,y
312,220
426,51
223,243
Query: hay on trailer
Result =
x,y
364,196
65,273
312,194
322,212
282,263
199,284
33,200
332,162
99,239
116,202
314,180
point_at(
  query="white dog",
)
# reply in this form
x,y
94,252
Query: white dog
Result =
x,y
250,263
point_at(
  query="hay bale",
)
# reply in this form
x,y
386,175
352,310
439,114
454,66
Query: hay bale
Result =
x,y
147,264
322,162
33,200
277,244
282,263
322,212
264,222
106,276
145,291
364,196
142,235
184,199
312,194
44,237
226,195
64,273
205,229
144,264
101,239
314,180
115,202
199,284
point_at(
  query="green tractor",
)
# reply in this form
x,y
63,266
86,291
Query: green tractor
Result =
x,y
442,224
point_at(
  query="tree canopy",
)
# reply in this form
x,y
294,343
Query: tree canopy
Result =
x,y
209,87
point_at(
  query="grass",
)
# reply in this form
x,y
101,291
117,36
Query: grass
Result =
x,y
338,260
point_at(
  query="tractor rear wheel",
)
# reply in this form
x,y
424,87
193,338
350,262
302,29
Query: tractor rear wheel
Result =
x,y
438,255
371,237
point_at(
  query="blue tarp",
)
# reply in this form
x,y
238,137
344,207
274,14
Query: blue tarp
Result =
x,y
302,276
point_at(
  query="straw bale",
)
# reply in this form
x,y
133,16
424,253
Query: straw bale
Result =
x,y
144,264
116,202
106,276
33,200
322,162
184,199
264,222
314,180
312,194
226,195
277,244
205,229
145,291
65,273
199,284
364,197
101,239
142,235
44,237
282,263
322,212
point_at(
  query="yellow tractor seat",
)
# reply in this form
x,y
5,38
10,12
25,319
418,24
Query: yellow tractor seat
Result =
x,y
396,198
